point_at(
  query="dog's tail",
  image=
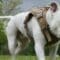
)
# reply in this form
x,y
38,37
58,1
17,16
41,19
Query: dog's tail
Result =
x,y
3,17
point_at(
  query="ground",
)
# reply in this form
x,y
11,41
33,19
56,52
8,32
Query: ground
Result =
x,y
6,57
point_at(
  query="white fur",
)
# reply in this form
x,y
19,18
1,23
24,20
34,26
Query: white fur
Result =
x,y
53,20
6,17
17,23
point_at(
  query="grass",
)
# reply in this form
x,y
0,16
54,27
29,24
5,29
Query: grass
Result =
x,y
6,57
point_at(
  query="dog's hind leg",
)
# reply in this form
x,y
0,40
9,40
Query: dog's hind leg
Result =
x,y
12,42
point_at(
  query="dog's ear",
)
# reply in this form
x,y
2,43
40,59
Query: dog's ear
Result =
x,y
28,18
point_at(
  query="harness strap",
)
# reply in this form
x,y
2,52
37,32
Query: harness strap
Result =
x,y
49,36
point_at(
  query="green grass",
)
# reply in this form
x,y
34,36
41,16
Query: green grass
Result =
x,y
5,57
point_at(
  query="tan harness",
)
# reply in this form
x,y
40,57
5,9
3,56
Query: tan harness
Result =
x,y
50,38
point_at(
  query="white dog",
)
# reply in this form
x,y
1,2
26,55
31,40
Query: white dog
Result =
x,y
17,23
